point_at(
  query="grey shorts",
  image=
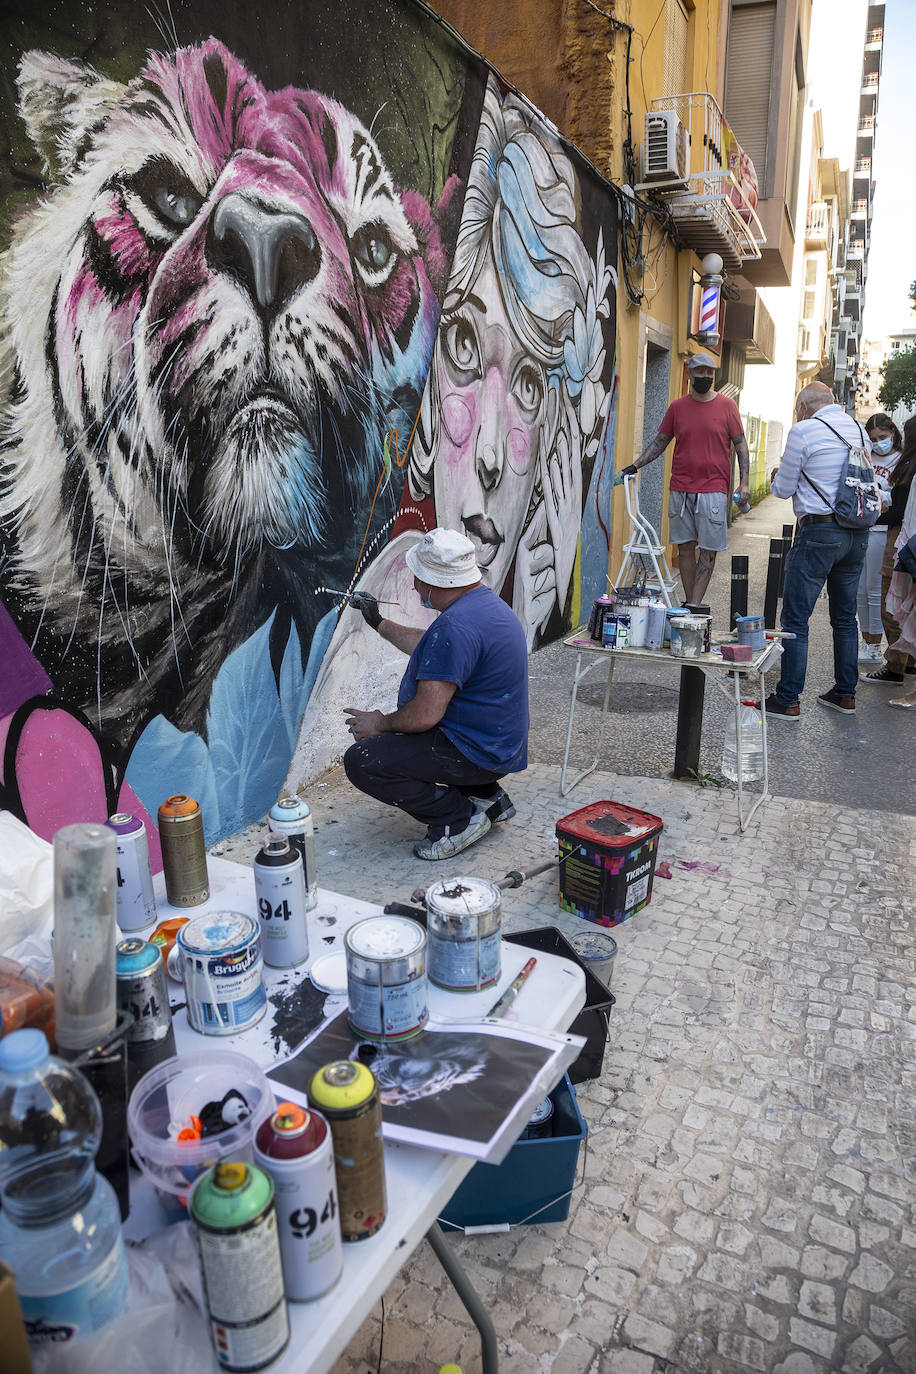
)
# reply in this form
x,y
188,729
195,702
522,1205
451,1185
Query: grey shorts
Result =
x,y
698,516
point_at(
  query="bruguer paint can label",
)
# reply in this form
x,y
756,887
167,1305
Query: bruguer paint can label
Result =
x,y
223,972
136,903
294,1146
346,1093
234,1219
386,977
464,933
184,858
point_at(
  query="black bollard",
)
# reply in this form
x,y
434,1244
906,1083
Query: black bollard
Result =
x,y
689,721
771,595
739,588
788,534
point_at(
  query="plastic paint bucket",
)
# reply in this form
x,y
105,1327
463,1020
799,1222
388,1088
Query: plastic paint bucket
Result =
x,y
598,951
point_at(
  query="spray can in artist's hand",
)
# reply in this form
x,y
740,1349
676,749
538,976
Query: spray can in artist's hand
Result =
x,y
294,1146
279,885
346,1093
234,1219
292,817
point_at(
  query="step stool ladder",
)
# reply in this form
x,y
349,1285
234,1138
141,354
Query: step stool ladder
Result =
x,y
644,547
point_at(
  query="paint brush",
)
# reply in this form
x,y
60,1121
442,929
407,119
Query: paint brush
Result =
x,y
348,596
500,1007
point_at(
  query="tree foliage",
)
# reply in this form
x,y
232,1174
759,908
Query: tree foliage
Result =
x,y
899,385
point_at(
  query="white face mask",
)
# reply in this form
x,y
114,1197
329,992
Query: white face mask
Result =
x,y
882,447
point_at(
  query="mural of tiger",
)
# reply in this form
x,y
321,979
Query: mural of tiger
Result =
x,y
208,325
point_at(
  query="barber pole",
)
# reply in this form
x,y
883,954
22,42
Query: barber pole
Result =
x,y
709,311
294,1146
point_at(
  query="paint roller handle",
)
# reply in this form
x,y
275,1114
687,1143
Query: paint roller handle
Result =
x,y
366,603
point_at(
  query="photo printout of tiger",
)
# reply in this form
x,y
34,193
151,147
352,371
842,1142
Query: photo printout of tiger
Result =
x,y
209,323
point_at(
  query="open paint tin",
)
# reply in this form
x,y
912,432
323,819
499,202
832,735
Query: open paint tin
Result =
x,y
386,977
464,924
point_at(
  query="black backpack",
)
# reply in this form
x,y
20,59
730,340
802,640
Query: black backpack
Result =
x,y
858,497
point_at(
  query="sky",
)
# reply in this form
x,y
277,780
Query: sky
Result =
x,y
834,67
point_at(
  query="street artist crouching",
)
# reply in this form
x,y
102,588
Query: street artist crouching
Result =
x,y
462,717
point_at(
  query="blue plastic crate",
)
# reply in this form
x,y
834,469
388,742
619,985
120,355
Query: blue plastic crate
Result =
x,y
533,1182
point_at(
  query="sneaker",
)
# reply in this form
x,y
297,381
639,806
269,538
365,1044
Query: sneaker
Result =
x,y
882,675
871,655
499,808
449,844
785,710
846,705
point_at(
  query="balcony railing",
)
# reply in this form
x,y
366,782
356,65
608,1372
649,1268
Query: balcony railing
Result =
x,y
870,81
860,206
874,36
856,249
867,124
862,167
714,212
818,226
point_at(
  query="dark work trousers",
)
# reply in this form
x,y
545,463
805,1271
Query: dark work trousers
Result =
x,y
423,774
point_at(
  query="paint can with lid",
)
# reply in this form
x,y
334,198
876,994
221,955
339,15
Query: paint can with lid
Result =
x,y
598,952
386,977
751,630
234,1220
279,885
222,967
346,1094
136,907
540,1123
294,1146
141,989
292,817
184,858
464,934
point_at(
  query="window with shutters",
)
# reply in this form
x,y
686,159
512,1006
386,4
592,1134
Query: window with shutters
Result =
x,y
808,305
810,271
751,39
676,22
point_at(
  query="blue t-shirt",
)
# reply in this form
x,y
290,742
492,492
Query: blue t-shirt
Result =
x,y
479,644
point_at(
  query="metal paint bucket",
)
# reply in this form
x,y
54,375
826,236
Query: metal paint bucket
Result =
x,y
464,927
751,630
598,952
223,972
691,633
386,977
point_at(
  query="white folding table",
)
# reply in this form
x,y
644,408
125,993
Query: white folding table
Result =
x,y
730,678
419,1181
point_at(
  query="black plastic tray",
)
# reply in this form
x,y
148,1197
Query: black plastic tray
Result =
x,y
592,1021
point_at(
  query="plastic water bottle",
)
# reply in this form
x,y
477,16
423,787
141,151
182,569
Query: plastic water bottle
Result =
x,y
751,745
60,1225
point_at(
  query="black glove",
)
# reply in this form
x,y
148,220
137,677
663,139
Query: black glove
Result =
x,y
906,558
365,602
630,471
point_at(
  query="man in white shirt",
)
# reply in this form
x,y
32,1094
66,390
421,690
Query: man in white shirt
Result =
x,y
823,553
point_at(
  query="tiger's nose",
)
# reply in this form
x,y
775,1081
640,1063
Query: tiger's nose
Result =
x,y
272,252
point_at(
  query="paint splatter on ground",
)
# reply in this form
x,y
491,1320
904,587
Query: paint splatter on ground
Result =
x,y
703,865
663,870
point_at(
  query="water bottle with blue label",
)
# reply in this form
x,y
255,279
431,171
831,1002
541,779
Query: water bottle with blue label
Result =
x,y
60,1224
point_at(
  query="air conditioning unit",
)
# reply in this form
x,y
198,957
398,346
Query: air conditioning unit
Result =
x,y
665,154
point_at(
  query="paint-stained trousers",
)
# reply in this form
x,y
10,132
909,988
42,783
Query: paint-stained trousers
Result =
x,y
423,774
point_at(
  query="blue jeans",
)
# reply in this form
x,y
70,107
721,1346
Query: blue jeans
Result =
x,y
822,554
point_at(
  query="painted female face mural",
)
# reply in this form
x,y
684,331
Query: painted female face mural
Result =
x,y
517,393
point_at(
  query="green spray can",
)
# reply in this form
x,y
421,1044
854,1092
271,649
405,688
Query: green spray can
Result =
x,y
234,1216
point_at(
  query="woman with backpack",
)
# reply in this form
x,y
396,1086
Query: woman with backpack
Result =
x,y
897,662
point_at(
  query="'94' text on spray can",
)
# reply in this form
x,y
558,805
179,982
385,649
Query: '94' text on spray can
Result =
x,y
294,1147
279,886
234,1217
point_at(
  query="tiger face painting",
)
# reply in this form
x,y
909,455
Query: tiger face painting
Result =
x,y
208,324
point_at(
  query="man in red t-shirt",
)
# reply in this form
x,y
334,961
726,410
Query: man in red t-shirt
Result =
x,y
705,426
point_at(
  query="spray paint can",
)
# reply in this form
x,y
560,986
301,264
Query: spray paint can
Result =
x,y
279,885
295,1147
136,903
143,991
184,858
346,1094
292,817
234,1218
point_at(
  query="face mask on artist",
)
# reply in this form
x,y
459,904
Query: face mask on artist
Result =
x,y
701,384
882,447
427,605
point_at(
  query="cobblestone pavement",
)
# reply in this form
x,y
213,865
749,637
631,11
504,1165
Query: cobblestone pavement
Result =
x,y
748,1200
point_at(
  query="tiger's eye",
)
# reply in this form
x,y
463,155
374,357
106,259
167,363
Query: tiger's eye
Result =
x,y
372,248
167,192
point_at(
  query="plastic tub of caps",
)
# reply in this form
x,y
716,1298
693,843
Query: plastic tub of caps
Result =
x,y
194,1111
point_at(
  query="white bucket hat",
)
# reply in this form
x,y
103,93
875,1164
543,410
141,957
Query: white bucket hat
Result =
x,y
444,558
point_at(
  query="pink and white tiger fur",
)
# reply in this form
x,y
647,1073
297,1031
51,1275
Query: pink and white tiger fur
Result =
x,y
208,324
